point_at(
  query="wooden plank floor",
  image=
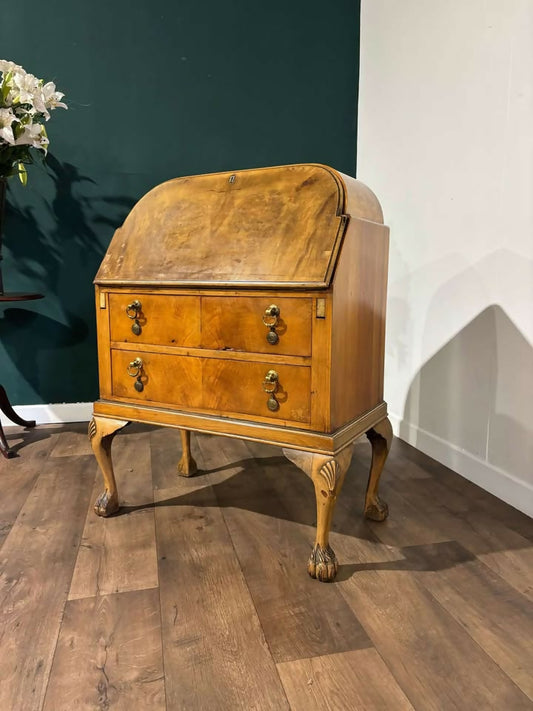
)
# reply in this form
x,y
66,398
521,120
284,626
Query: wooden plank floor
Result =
x,y
196,595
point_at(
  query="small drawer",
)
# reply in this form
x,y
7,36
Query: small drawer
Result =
x,y
250,388
263,324
154,377
158,319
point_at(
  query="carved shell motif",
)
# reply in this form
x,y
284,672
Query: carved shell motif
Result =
x,y
329,472
92,428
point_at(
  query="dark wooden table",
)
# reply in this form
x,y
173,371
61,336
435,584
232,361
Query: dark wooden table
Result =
x,y
5,405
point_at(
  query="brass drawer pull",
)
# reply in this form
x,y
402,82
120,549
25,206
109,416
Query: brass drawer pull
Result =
x,y
134,370
270,383
270,386
271,319
132,311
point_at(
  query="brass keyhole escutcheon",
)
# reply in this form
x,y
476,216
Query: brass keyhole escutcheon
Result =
x,y
136,328
271,320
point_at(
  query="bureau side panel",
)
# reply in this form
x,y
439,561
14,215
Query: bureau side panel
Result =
x,y
359,306
102,332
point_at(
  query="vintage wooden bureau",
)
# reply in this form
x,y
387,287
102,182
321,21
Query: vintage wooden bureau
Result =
x,y
250,304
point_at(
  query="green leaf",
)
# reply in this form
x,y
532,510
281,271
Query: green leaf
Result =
x,y
23,175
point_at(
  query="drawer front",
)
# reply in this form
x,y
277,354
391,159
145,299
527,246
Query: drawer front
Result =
x,y
161,319
167,379
239,387
238,323
212,384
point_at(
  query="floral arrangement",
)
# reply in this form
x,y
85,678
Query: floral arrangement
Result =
x,y
25,105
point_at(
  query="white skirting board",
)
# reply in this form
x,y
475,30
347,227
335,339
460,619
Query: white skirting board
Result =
x,y
52,414
504,486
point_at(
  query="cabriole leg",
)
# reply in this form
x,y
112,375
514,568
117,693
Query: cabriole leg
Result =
x,y
380,438
328,475
186,465
101,433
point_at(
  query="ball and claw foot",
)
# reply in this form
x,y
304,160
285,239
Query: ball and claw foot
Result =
x,y
323,564
378,510
106,504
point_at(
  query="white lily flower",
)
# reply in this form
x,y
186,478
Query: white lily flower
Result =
x,y
33,135
52,98
25,104
6,66
7,118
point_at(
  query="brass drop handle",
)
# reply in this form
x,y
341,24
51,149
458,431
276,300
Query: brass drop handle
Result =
x,y
132,311
135,367
134,370
270,383
270,386
271,320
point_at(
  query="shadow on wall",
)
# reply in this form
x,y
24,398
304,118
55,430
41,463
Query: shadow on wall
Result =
x,y
53,246
475,393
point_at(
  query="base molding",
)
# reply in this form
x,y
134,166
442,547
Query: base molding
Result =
x,y
504,486
53,413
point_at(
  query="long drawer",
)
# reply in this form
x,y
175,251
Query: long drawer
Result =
x,y
251,324
280,392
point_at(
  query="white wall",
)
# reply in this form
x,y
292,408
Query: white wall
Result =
x,y
446,143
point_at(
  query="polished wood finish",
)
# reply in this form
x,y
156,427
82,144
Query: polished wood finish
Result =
x,y
101,433
275,226
163,321
327,474
236,323
205,607
251,304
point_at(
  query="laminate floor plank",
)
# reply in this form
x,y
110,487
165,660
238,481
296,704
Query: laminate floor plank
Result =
x,y
501,548
109,655
19,474
493,613
74,440
338,682
432,657
37,561
431,608
301,617
215,653
119,553
473,496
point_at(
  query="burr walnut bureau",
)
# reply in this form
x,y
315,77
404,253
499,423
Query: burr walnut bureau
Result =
x,y
250,304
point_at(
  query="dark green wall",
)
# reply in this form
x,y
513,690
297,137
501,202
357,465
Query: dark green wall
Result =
x,y
155,90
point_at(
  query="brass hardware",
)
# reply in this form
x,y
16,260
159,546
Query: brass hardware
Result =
x,y
321,308
270,386
133,310
272,404
134,307
103,301
134,368
231,179
271,320
270,383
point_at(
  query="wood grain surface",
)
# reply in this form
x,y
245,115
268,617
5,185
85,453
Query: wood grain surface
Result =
x,y
196,596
